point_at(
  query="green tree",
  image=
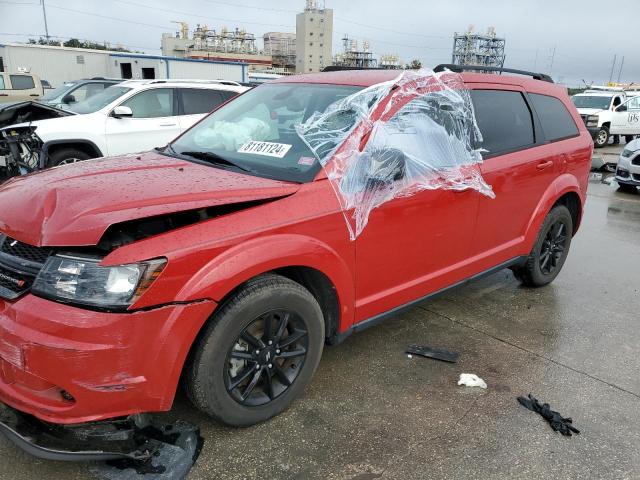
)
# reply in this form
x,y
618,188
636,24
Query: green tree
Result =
x,y
414,65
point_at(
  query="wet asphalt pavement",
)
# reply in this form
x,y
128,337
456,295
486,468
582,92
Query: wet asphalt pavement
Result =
x,y
371,412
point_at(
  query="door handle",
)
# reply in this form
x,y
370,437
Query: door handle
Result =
x,y
168,124
33,94
543,165
4,94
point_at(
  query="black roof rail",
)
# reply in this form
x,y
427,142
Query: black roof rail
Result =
x,y
339,68
483,68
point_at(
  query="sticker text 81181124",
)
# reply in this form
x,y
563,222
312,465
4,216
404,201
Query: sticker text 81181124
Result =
x,y
270,149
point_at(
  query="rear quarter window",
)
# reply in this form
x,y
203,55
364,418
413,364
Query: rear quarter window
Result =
x,y
200,100
557,122
504,119
22,82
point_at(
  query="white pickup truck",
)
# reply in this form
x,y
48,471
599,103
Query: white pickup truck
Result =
x,y
609,112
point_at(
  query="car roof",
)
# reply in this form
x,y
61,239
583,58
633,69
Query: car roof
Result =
x,y
366,78
212,84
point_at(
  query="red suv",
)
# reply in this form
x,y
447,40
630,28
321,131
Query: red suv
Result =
x,y
224,259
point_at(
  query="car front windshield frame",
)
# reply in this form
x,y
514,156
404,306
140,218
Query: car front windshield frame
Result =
x,y
256,132
600,102
99,100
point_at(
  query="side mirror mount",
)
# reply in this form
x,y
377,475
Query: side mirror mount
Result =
x,y
67,99
122,112
621,108
386,165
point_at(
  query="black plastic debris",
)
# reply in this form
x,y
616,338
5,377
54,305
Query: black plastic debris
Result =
x,y
557,421
175,447
426,351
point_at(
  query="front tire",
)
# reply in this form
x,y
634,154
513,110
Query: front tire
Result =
x,y
602,138
549,251
257,353
65,156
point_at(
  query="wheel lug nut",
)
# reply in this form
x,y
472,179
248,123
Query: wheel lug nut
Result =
x,y
278,352
258,367
257,352
270,366
270,342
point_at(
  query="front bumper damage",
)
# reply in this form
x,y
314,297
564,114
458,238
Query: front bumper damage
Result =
x,y
108,440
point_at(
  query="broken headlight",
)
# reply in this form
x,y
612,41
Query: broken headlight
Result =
x,y
81,280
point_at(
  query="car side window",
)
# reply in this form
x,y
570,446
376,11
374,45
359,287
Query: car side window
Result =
x,y
2,87
86,91
200,100
22,82
153,103
634,103
504,119
556,120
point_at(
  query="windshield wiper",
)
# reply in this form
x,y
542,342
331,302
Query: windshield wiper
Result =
x,y
212,158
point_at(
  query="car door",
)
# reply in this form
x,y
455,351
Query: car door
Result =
x,y
626,118
154,122
412,245
4,88
517,164
195,103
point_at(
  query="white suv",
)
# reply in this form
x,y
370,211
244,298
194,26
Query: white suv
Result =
x,y
133,116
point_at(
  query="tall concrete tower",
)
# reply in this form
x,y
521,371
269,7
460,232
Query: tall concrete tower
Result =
x,y
314,35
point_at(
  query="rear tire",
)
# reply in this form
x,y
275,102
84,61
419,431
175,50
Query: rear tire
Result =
x,y
549,251
629,138
235,345
602,138
66,156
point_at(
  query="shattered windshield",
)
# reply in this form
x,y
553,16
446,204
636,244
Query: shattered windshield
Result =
x,y
257,131
98,101
591,101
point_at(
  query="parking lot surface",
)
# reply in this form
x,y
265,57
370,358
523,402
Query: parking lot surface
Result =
x,y
371,412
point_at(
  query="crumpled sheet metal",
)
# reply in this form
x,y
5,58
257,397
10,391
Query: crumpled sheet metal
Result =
x,y
420,133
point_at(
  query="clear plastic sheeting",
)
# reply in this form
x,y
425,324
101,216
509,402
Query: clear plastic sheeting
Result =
x,y
395,139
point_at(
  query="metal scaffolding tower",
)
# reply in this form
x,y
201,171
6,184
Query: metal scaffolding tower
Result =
x,y
471,48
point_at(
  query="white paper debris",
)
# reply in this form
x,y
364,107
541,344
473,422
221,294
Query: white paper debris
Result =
x,y
471,380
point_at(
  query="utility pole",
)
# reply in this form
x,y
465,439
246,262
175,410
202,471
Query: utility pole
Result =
x,y
620,71
553,56
44,14
615,57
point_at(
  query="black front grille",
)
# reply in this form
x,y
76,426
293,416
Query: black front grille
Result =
x,y
24,251
13,284
20,263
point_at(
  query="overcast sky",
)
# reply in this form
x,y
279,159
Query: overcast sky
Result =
x,y
584,33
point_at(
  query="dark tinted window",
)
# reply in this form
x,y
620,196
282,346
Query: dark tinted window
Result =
x,y
200,100
22,82
504,120
556,120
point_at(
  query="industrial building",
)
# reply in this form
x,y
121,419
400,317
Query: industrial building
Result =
x,y
282,48
471,48
355,57
61,64
314,34
209,44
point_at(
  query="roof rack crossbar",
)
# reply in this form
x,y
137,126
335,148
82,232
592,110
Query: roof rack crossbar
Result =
x,y
483,68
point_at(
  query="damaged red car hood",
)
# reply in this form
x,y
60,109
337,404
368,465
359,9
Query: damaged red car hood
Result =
x,y
73,205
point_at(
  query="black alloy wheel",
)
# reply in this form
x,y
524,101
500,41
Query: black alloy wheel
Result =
x,y
266,358
550,250
553,247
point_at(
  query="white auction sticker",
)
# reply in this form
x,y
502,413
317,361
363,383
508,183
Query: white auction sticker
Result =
x,y
278,150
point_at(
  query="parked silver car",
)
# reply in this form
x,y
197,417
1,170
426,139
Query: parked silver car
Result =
x,y
628,170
